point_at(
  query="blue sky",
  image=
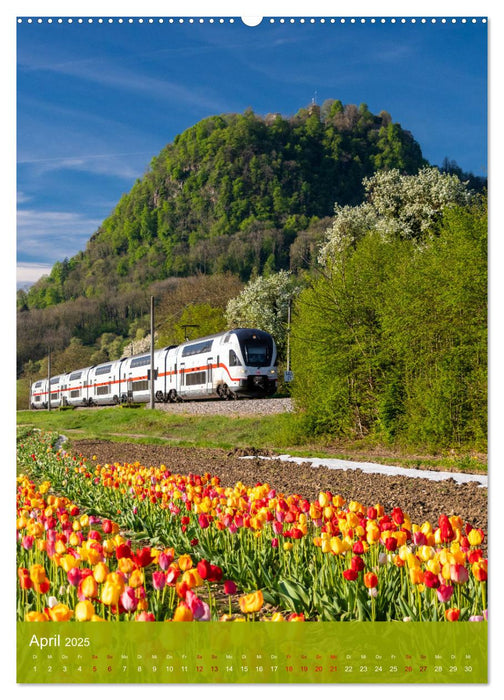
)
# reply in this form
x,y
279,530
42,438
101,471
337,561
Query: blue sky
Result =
x,y
96,101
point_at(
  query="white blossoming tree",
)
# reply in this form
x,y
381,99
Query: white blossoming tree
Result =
x,y
263,304
404,206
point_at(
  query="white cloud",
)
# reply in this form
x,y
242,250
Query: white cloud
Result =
x,y
97,164
28,273
52,235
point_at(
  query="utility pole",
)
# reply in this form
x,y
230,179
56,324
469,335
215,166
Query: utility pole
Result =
x,y
152,352
49,379
288,333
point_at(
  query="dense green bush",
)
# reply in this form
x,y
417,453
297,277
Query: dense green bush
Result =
x,y
390,340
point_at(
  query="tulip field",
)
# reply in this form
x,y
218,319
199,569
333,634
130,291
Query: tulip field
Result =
x,y
132,542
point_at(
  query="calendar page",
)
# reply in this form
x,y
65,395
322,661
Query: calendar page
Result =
x,y
251,441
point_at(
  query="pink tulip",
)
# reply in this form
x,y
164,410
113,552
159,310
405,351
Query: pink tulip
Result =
x,y
158,580
195,604
74,576
164,560
444,593
145,617
128,600
419,539
458,573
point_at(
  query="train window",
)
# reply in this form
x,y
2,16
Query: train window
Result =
x,y
141,385
233,359
192,378
54,396
102,390
104,369
54,380
140,361
75,394
38,385
37,398
75,375
197,348
256,353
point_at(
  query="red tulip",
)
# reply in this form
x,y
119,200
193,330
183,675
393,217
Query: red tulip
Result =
x,y
74,576
142,557
215,573
431,580
391,544
204,569
358,547
398,516
203,521
357,563
123,551
350,574
230,587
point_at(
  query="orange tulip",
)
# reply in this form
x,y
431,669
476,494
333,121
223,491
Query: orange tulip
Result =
x,y
182,613
185,562
252,602
60,613
370,579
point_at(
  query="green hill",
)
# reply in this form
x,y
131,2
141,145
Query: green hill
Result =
x,y
233,193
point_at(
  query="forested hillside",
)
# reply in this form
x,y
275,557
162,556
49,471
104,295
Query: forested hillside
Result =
x,y
233,193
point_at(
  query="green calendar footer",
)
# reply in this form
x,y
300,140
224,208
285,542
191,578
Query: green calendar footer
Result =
x,y
261,652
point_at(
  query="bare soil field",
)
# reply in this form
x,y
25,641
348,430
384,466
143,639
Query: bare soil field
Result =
x,y
420,498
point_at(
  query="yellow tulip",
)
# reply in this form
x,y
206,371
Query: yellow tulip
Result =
x,y
100,572
136,578
475,538
433,566
68,562
324,499
277,617
192,578
111,592
84,611
89,587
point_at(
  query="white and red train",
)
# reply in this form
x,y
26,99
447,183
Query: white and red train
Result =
x,y
235,363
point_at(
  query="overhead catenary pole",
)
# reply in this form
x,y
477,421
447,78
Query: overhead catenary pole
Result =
x,y
152,352
49,379
288,333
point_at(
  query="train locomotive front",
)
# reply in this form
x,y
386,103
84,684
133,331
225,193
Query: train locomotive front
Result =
x,y
252,362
